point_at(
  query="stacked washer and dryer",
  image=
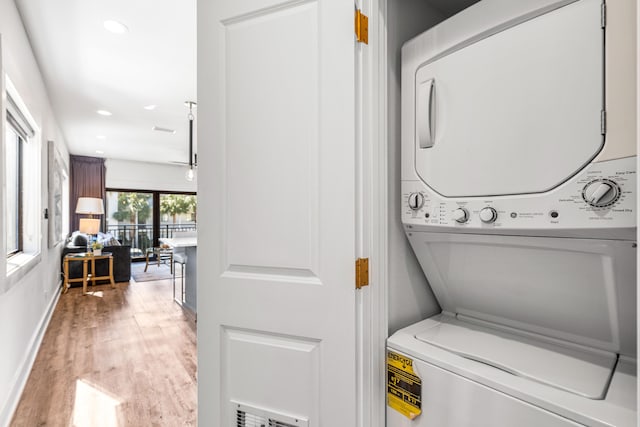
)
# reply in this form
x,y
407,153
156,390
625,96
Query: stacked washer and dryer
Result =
x,y
519,184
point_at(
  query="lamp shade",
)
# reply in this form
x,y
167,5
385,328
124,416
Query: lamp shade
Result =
x,y
89,225
89,205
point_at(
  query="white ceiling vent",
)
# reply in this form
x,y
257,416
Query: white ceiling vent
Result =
x,y
161,129
249,416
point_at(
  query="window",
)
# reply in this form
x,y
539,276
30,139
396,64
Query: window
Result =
x,y
14,141
129,217
141,218
22,167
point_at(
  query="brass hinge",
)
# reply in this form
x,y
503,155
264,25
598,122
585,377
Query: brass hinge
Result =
x,y
362,272
362,27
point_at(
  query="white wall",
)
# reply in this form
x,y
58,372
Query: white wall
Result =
x,y
25,305
410,297
130,175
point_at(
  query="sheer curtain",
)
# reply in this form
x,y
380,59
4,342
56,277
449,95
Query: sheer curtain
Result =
x,y
87,179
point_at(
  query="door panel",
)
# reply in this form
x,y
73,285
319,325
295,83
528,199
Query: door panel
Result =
x,y
272,139
276,300
291,382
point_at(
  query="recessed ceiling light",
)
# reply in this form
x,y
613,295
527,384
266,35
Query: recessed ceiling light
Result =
x,y
101,137
161,129
150,107
115,27
99,152
104,112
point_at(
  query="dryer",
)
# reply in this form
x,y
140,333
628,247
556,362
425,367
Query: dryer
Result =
x,y
519,201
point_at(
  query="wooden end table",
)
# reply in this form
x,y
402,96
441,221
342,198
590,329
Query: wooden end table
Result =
x,y
86,258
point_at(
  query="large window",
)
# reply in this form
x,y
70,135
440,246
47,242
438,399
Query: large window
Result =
x,y
177,213
14,141
129,217
141,218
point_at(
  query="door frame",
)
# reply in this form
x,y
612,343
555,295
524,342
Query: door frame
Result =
x,y
372,207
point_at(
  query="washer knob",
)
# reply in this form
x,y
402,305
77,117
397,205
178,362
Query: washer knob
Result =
x,y
488,215
601,192
460,215
416,200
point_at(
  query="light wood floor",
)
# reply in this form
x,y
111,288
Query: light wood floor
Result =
x,y
116,357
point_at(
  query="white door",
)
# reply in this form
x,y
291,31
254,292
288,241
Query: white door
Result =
x,y
276,191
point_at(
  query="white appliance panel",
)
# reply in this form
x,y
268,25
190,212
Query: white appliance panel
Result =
x,y
516,112
560,212
576,290
475,405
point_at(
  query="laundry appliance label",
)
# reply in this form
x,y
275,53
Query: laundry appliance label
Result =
x,y
404,387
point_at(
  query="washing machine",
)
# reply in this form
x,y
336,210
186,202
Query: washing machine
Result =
x,y
519,201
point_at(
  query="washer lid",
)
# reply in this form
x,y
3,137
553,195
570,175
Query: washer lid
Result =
x,y
578,371
516,112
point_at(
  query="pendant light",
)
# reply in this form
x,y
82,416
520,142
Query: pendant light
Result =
x,y
193,158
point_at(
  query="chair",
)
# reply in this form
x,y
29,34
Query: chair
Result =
x,y
179,258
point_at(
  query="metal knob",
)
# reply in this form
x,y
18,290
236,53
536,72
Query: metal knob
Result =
x,y
416,200
601,192
488,215
460,215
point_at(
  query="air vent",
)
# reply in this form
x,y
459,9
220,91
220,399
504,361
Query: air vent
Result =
x,y
248,416
161,129
244,419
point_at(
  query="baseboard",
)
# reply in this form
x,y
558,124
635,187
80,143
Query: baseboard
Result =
x,y
21,377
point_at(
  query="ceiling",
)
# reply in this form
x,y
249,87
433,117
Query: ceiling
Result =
x,y
87,68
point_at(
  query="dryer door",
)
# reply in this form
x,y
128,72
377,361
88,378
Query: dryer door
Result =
x,y
516,112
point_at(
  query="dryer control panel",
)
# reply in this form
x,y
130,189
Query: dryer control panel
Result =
x,y
601,196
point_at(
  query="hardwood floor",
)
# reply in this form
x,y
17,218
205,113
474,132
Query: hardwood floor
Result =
x,y
115,357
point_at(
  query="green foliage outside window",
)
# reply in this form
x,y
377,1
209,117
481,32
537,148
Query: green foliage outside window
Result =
x,y
176,204
133,207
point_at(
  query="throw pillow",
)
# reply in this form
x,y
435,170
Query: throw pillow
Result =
x,y
111,241
80,240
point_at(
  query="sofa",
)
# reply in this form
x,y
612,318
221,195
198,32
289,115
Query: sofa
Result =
x,y
77,243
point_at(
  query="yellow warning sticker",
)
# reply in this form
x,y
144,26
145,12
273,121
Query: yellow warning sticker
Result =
x,y
404,387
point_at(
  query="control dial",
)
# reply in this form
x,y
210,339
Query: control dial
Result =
x,y
601,192
416,200
488,215
460,215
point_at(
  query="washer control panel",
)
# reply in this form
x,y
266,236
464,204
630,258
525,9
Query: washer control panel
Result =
x,y
603,195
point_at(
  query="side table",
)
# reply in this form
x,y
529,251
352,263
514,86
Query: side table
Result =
x,y
87,258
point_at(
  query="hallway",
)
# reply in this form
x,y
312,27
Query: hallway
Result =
x,y
116,357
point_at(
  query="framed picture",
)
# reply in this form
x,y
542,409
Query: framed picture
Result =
x,y
57,176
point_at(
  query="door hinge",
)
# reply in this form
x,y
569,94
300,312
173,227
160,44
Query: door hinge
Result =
x,y
603,122
603,15
362,272
362,27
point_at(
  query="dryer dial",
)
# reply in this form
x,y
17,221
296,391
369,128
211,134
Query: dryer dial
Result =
x,y
488,215
601,193
416,200
460,215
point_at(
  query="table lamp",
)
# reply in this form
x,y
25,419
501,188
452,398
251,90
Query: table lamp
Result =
x,y
90,206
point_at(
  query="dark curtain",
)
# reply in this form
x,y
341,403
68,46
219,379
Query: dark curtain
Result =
x,y
87,179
